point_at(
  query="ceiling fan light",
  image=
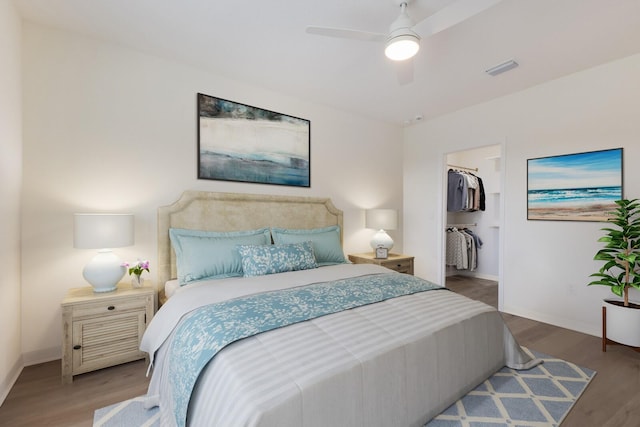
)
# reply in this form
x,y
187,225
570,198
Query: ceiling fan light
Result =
x,y
402,47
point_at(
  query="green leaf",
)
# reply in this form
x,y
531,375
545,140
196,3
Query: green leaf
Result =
x,y
631,258
604,255
599,282
618,290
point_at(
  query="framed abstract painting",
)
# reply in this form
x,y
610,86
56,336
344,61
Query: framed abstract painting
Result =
x,y
238,142
574,187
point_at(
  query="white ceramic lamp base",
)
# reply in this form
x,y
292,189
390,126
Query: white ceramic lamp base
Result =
x,y
381,240
104,271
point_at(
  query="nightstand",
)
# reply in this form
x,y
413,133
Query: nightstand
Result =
x,y
103,329
397,262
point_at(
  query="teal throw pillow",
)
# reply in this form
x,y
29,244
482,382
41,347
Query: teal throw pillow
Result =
x,y
211,254
326,242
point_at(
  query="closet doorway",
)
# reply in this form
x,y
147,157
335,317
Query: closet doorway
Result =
x,y
473,217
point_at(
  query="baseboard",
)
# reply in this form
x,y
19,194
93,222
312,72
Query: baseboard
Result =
x,y
473,274
553,320
7,384
27,359
41,356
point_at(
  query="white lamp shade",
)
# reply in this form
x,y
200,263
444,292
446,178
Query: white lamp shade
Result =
x,y
381,219
103,231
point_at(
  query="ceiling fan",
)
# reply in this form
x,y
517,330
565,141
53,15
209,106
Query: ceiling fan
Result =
x,y
402,41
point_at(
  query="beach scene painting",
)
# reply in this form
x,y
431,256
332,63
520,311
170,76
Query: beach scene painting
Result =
x,y
238,142
574,187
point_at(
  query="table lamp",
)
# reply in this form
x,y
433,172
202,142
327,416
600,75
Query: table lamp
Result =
x,y
103,232
381,220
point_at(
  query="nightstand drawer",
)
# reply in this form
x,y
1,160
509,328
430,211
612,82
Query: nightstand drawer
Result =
x,y
109,307
397,262
401,265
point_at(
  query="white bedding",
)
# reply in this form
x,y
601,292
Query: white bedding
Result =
x,y
395,363
171,287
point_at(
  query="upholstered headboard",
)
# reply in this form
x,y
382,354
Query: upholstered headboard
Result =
x,y
200,210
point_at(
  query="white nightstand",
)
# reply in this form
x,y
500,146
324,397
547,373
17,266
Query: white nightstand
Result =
x,y
103,329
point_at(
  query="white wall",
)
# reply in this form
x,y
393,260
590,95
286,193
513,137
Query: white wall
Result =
x,y
546,264
10,183
111,129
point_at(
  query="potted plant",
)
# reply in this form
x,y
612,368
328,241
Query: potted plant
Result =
x,y
621,257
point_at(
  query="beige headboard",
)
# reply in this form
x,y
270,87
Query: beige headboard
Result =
x,y
200,210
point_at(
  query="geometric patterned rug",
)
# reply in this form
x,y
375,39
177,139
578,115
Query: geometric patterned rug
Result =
x,y
539,397
129,413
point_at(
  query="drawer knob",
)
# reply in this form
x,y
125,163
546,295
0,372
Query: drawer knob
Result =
x,y
111,307
77,347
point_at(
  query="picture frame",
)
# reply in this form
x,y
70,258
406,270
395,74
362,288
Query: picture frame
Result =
x,y
575,187
382,253
242,143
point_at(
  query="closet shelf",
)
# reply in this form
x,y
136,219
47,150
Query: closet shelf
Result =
x,y
464,168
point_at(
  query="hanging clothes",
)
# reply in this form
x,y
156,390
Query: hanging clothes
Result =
x,y
483,197
457,191
462,249
457,255
465,192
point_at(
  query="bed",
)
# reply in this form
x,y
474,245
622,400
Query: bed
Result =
x,y
318,342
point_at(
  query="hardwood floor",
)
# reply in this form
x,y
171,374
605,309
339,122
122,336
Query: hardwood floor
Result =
x,y
613,397
40,399
611,400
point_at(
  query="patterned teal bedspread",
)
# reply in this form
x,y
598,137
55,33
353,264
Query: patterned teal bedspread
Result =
x,y
207,330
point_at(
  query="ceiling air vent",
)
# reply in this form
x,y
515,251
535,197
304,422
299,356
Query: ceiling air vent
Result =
x,y
501,68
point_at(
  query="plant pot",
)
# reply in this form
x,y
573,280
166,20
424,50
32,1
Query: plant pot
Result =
x,y
623,323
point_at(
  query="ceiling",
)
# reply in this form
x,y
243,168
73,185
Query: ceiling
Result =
x,y
264,43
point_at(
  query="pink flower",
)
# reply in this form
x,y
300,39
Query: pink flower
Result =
x,y
138,267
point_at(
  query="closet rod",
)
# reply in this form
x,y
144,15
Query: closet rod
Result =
x,y
462,225
463,167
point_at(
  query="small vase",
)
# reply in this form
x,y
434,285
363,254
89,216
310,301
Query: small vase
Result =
x,y
137,281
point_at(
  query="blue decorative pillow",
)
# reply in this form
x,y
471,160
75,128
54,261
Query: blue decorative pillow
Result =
x,y
269,259
326,242
212,254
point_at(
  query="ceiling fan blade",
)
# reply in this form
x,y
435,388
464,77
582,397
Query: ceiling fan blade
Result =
x,y
451,15
404,71
347,34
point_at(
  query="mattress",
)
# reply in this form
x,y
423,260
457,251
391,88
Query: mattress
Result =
x,y
397,362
